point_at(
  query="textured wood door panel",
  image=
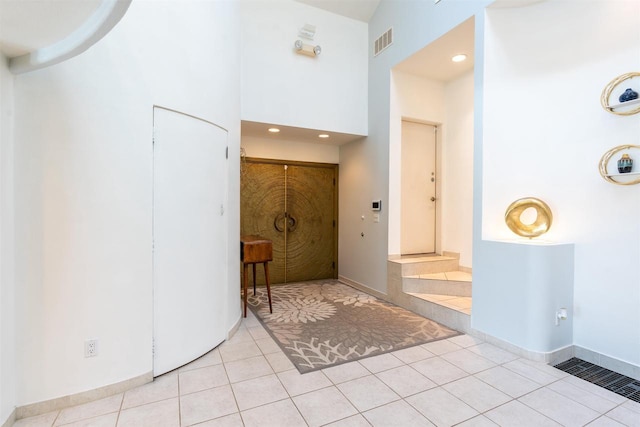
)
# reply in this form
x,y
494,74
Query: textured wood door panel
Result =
x,y
296,208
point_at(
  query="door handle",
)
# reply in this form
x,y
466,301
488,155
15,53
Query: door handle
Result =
x,y
433,199
285,220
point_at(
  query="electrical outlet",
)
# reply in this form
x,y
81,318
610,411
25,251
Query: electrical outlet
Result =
x,y
91,348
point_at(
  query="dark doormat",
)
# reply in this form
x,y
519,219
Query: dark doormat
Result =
x,y
323,323
612,381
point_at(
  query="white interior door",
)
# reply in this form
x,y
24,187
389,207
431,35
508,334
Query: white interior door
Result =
x,y
189,237
418,206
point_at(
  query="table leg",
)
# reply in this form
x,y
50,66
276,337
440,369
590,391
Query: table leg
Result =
x,y
254,278
244,285
266,275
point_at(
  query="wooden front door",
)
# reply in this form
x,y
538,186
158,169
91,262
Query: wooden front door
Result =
x,y
294,204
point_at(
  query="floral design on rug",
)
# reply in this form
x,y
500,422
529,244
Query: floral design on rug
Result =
x,y
324,323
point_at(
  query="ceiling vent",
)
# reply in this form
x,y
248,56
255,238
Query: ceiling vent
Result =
x,y
383,42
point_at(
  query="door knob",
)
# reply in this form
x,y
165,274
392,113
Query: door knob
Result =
x,y
433,199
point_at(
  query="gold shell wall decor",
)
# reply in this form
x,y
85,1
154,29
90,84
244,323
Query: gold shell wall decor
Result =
x,y
618,178
540,226
618,107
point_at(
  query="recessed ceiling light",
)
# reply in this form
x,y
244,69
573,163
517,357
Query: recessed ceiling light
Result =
x,y
459,58
323,135
274,130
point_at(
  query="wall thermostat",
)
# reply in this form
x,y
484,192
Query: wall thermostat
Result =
x,y
376,205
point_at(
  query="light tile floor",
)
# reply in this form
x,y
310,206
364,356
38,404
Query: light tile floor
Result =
x,y
248,381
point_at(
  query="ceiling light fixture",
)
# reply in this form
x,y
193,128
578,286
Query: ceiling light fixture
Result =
x,y
274,130
323,135
459,58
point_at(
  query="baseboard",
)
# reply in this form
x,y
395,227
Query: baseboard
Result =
x,y
449,254
40,408
235,327
616,365
565,353
11,420
362,287
552,357
465,269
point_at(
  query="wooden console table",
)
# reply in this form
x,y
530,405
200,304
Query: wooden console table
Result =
x,y
254,250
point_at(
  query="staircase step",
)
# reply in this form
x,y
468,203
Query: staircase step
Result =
x,y
427,265
417,284
452,305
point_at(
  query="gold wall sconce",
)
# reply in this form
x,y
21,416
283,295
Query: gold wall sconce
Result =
x,y
541,225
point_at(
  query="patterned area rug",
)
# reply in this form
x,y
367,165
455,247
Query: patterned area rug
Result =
x,y
324,323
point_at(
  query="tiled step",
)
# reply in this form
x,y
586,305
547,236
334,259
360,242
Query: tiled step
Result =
x,y
455,305
453,283
432,286
427,265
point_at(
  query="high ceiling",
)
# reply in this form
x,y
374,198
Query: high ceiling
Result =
x,y
362,10
434,60
29,25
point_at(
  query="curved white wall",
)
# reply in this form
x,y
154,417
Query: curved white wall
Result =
x,y
97,25
83,132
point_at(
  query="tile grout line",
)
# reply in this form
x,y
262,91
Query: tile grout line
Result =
x,y
233,393
180,397
120,409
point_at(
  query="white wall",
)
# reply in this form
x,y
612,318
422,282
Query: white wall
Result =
x,y
449,105
83,133
415,98
328,92
7,283
544,134
457,168
415,24
290,150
